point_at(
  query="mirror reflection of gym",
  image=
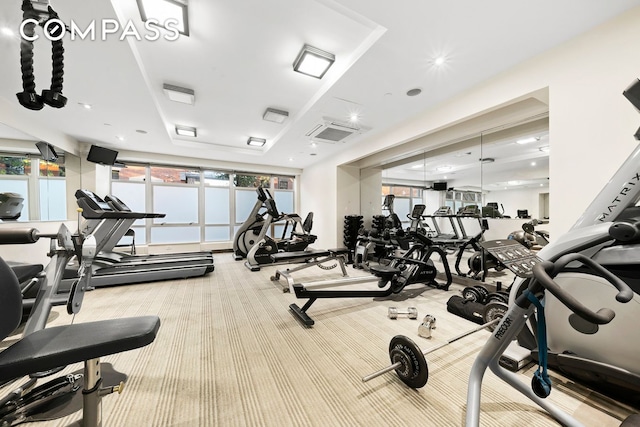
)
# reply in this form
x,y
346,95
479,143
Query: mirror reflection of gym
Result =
x,y
32,178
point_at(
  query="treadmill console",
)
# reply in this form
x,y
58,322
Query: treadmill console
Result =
x,y
92,200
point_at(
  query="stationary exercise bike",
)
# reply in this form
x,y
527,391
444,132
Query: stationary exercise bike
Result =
x,y
603,355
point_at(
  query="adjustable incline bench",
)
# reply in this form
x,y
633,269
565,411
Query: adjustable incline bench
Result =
x,y
309,258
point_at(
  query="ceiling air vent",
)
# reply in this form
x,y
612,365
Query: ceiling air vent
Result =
x,y
333,131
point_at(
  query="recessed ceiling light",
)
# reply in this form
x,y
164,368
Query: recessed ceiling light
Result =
x,y
414,92
179,94
256,142
445,177
186,131
291,159
444,168
85,106
354,117
544,149
487,160
439,61
313,154
120,138
527,140
533,163
313,61
541,185
417,166
6,31
513,182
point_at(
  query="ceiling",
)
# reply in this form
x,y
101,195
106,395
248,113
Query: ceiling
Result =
x,y
238,60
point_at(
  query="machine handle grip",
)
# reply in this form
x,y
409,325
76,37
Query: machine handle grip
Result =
x,y
625,231
16,236
545,271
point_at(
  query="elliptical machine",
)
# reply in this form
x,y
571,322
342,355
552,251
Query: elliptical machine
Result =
x,y
247,234
603,356
296,236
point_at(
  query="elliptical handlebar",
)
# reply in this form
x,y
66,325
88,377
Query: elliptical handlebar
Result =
x,y
545,271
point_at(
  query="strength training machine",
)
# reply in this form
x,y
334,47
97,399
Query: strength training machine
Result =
x,y
415,266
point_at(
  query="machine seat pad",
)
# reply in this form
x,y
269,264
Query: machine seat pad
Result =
x,y
384,270
63,345
308,254
25,272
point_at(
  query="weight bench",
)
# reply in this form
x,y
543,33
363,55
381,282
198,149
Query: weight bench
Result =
x,y
50,348
309,259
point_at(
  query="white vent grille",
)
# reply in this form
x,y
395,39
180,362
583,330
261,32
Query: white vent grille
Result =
x,y
333,131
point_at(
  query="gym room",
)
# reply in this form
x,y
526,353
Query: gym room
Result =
x,y
319,213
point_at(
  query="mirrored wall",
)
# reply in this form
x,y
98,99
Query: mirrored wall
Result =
x,y
501,172
33,178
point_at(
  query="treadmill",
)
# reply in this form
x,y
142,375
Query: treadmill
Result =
x,y
103,222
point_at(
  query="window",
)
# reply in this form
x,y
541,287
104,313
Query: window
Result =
x,y
42,191
199,205
252,181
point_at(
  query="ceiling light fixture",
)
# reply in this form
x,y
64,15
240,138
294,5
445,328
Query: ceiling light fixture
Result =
x,y
487,160
313,61
179,94
444,168
162,10
533,163
6,31
85,106
276,116
256,142
414,92
417,166
527,140
439,61
354,117
186,131
120,138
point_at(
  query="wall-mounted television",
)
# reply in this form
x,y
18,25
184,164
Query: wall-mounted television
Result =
x,y
47,151
440,186
101,155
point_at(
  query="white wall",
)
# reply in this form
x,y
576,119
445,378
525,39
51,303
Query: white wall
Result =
x,y
591,124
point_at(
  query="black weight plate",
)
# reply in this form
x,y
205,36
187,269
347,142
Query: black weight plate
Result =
x,y
471,294
497,296
494,310
484,292
414,371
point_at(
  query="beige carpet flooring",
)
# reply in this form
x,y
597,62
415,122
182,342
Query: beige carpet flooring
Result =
x,y
229,353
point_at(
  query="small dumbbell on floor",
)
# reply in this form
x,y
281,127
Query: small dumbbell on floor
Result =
x,y
411,313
